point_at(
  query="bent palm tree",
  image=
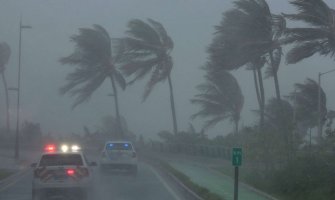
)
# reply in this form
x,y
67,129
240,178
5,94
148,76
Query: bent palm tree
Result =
x,y
94,64
4,58
247,33
306,101
146,50
220,98
319,37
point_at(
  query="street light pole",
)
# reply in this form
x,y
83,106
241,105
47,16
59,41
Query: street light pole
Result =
x,y
319,104
17,134
319,100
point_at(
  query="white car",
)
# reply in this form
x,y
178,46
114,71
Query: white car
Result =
x,y
120,155
62,174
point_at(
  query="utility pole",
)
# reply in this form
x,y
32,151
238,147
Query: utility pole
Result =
x,y
319,101
319,104
17,134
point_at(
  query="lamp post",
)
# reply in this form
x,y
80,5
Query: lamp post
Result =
x,y
17,134
319,100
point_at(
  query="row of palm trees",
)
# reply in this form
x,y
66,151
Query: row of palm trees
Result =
x,y
249,35
143,52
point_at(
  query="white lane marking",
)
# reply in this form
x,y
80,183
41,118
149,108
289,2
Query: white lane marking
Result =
x,y
166,185
17,179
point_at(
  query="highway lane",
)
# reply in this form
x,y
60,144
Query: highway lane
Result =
x,y
148,185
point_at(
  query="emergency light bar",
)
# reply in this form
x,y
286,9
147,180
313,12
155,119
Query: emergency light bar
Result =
x,y
50,148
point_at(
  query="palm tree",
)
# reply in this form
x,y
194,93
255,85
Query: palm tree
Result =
x,y
250,34
247,33
4,58
319,37
220,98
146,50
306,101
94,63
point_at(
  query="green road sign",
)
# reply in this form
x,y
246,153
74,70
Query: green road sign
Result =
x,y
237,157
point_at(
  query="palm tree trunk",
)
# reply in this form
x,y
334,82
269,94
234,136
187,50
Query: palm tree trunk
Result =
x,y
262,97
173,109
257,87
236,126
7,101
275,77
116,101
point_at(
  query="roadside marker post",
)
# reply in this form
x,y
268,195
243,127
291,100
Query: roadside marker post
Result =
x,y
237,162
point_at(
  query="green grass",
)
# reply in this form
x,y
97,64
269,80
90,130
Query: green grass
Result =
x,y
5,173
199,190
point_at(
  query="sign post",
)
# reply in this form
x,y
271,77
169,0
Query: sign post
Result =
x,y
236,161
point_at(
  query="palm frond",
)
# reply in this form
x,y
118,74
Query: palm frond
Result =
x,y
92,48
142,31
93,61
103,31
294,35
124,54
133,45
302,51
305,99
212,122
246,33
160,73
87,85
165,39
220,97
145,51
314,12
139,68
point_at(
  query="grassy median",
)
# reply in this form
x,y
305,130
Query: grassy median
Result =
x,y
199,190
4,173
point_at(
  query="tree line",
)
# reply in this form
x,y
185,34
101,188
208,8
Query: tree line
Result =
x,y
249,36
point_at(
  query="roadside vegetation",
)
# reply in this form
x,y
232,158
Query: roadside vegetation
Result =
x,y
4,173
199,190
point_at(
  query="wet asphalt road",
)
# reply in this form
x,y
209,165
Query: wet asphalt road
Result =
x,y
148,185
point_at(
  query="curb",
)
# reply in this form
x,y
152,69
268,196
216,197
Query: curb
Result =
x,y
246,186
4,183
187,192
22,170
184,187
241,183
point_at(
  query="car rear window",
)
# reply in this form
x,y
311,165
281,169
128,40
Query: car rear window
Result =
x,y
119,146
61,160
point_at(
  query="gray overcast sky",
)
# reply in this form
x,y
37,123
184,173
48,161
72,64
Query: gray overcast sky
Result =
x,y
190,24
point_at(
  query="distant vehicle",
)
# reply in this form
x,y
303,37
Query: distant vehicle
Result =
x,y
119,155
65,174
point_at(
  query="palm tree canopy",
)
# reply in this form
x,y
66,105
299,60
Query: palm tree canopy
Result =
x,y
305,99
246,33
94,63
319,37
220,98
146,50
279,113
4,55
